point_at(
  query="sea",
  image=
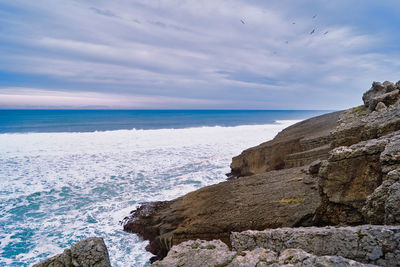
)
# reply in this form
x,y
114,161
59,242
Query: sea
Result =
x,y
71,174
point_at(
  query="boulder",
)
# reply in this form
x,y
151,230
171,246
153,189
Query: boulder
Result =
x,y
90,252
387,93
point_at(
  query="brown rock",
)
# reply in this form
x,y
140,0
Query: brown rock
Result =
x,y
310,139
269,200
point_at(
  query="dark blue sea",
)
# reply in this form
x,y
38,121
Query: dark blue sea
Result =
x,y
21,121
70,174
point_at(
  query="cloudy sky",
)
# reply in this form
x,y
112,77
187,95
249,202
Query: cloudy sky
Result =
x,y
198,54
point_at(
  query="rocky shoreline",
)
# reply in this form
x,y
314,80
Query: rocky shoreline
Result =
x,y
337,169
323,192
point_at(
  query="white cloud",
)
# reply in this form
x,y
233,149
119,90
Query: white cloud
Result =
x,y
50,98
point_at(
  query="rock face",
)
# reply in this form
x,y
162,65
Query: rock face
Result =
x,y
367,243
215,211
85,253
201,253
340,168
295,146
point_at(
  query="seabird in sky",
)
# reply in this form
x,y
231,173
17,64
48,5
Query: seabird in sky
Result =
x,y
325,33
314,16
242,21
312,31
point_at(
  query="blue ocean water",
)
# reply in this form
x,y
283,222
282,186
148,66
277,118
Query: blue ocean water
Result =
x,y
68,175
106,120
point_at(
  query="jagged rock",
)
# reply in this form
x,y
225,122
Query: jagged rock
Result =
x,y
214,253
386,93
351,181
367,244
382,206
88,252
390,157
392,205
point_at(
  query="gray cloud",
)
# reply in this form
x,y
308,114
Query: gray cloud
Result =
x,y
198,50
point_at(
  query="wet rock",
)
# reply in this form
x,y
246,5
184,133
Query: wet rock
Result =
x,y
88,252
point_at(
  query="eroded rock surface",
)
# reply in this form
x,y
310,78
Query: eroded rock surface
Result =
x,y
90,252
201,253
354,183
295,146
367,243
340,168
275,199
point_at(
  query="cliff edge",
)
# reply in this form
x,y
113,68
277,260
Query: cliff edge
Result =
x,y
341,168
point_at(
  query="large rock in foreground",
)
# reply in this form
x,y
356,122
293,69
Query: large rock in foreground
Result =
x,y
367,243
275,199
201,253
88,252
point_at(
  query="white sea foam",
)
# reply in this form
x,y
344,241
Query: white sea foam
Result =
x,y
57,188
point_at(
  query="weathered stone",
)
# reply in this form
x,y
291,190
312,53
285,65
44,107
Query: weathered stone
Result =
x,y
366,244
392,205
390,157
374,208
308,135
380,106
386,93
270,200
90,252
314,167
197,254
356,152
215,254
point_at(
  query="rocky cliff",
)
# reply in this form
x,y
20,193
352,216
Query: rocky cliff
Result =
x,y
340,168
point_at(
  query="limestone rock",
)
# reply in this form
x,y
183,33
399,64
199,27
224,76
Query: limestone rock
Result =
x,y
380,106
86,253
367,244
392,205
351,179
214,253
197,254
387,93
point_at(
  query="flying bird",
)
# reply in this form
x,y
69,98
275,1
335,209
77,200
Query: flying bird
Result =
x,y
314,16
293,23
242,21
312,31
325,33
287,42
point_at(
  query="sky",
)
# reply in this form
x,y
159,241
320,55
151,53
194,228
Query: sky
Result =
x,y
198,54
